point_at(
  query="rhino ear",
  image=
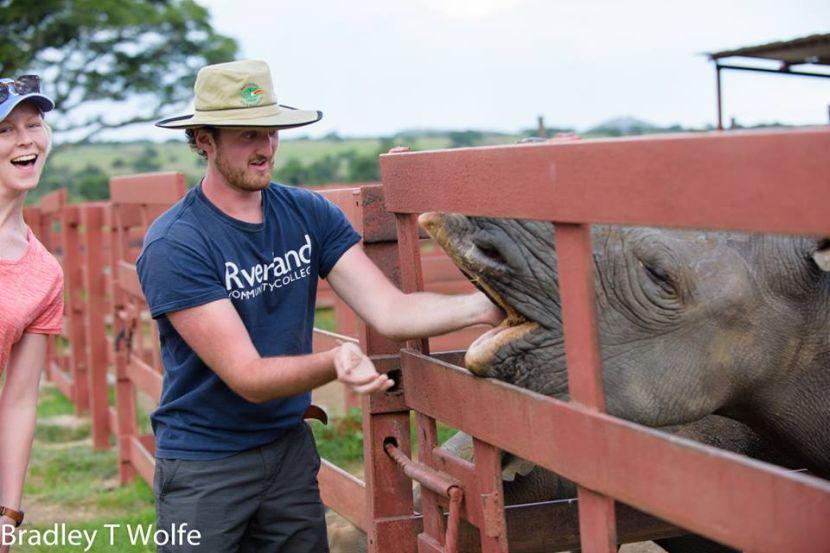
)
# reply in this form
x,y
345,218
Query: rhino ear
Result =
x,y
822,254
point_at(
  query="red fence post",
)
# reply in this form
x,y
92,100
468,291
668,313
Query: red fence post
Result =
x,y
597,521
92,220
75,306
389,491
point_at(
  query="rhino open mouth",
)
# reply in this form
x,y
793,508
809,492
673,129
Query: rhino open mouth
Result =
x,y
474,263
513,327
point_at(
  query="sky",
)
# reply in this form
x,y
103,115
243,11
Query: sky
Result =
x,y
376,67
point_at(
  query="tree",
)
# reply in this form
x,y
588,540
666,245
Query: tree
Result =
x,y
461,139
104,52
92,183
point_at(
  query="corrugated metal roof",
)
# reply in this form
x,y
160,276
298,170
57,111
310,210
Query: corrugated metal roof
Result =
x,y
813,49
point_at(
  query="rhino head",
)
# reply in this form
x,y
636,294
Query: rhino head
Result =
x,y
690,323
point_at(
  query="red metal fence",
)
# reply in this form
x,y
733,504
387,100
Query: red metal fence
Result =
x,y
772,181
755,181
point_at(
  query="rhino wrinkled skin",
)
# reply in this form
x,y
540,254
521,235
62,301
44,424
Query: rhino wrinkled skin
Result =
x,y
691,324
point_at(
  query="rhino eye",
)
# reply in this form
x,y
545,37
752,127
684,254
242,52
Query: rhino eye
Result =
x,y
658,276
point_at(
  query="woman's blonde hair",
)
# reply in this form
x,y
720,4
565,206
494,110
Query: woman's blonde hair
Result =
x,y
49,134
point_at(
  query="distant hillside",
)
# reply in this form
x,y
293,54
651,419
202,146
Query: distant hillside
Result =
x,y
622,126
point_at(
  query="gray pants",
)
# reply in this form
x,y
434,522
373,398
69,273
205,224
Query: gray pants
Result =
x,y
263,500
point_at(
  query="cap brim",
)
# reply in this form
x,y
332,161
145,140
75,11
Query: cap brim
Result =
x,y
43,103
280,117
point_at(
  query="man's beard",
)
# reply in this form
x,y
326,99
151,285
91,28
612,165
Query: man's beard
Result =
x,y
239,178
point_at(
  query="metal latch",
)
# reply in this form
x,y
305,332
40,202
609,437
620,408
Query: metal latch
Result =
x,y
435,481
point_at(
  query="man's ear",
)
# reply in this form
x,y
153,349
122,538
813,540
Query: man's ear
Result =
x,y
205,140
822,254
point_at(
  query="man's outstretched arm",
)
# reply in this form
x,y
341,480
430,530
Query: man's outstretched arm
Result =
x,y
359,282
216,333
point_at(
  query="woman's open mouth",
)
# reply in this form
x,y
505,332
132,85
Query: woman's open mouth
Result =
x,y
26,161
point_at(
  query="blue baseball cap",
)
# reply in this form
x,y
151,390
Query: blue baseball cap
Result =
x,y
8,88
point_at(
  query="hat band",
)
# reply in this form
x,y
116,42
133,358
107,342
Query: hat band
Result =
x,y
235,108
240,113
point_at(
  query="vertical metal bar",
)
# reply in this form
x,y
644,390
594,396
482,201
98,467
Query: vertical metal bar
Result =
x,y
74,307
124,392
576,279
409,252
388,489
427,439
453,520
412,280
597,521
493,533
345,319
718,92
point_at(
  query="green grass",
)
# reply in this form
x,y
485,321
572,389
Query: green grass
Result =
x,y
324,319
341,440
52,402
70,482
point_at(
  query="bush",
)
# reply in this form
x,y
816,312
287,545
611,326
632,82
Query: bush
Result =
x,y
92,183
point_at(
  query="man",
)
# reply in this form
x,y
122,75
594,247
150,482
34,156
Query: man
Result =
x,y
230,272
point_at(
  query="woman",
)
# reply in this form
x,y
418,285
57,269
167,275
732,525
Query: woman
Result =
x,y
31,284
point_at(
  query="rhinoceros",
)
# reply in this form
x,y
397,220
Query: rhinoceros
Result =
x,y
691,323
722,338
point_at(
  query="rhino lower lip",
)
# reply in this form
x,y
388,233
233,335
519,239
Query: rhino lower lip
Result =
x,y
481,351
513,327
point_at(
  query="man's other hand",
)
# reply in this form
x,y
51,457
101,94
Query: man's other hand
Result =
x,y
357,371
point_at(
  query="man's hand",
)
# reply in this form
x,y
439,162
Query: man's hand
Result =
x,y
358,372
491,313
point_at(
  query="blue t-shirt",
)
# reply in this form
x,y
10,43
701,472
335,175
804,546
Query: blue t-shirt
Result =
x,y
195,254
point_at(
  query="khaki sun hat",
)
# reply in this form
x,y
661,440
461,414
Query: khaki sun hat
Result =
x,y
239,94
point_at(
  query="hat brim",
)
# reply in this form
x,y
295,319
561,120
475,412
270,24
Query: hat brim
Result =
x,y
272,116
43,103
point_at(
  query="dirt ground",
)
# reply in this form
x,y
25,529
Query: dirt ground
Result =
x,y
343,537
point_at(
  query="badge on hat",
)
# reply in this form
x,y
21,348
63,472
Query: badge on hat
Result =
x,y
251,95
